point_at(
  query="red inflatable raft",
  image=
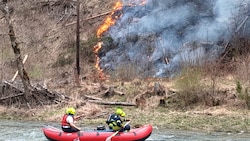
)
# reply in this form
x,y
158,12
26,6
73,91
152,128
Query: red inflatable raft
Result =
x,y
136,134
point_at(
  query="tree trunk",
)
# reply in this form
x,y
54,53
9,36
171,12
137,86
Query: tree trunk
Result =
x,y
22,73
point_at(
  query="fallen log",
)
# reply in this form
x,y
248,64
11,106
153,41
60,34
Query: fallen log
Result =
x,y
92,97
13,87
14,94
111,92
11,96
112,103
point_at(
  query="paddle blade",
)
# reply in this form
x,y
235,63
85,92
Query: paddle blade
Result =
x,y
109,138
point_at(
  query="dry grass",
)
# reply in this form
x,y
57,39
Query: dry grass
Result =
x,y
53,43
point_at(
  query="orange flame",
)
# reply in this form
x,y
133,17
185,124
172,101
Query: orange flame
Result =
x,y
109,21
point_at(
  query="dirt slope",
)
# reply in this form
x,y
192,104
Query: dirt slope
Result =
x,y
45,32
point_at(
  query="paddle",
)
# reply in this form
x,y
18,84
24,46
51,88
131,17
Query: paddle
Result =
x,y
109,138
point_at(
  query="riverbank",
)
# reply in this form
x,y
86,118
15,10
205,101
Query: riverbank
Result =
x,y
229,116
222,110
217,119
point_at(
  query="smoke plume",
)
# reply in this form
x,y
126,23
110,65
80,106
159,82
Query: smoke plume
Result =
x,y
158,37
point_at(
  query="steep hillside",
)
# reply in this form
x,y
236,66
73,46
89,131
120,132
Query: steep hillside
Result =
x,y
45,32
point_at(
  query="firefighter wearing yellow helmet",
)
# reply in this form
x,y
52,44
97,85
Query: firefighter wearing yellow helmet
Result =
x,y
68,121
115,121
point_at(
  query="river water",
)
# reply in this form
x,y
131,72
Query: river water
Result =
x,y
31,131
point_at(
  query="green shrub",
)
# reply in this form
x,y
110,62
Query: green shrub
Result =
x,y
239,88
189,86
247,98
243,93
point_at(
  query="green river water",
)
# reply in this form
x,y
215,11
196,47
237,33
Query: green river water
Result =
x,y
31,131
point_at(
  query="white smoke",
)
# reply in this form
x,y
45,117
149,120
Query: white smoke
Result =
x,y
179,31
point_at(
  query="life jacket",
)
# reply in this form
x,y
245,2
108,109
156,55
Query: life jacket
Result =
x,y
64,122
112,118
114,122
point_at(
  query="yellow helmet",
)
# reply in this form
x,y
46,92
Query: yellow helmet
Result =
x,y
71,111
120,112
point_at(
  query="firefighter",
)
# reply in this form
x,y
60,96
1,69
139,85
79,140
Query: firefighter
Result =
x,y
68,121
115,121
